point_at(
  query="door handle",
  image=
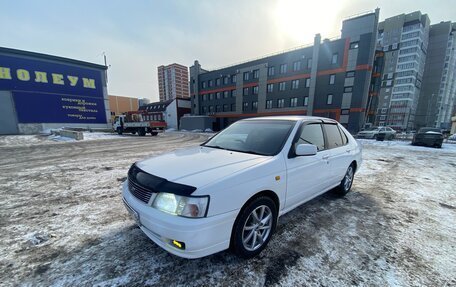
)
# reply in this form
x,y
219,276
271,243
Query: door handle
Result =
x,y
325,156
348,150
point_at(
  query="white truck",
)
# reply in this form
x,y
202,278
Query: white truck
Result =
x,y
134,122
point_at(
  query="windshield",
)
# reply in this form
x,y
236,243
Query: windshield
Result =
x,y
264,137
373,129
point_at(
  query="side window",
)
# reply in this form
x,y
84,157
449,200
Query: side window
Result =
x,y
344,136
333,136
312,134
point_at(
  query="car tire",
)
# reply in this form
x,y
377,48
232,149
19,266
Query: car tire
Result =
x,y
254,227
347,182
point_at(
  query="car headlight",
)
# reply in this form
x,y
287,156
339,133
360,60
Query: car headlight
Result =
x,y
181,205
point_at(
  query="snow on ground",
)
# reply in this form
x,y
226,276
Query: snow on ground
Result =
x,y
63,222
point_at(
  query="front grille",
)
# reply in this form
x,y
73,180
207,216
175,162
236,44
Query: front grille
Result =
x,y
138,191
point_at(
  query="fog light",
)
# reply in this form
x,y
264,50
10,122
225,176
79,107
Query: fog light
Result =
x,y
178,244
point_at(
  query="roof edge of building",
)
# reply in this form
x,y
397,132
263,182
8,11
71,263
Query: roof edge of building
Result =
x,y
51,57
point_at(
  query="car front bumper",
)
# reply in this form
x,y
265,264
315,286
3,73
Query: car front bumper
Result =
x,y
202,236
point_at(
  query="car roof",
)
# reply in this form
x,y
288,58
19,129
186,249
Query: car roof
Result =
x,y
293,118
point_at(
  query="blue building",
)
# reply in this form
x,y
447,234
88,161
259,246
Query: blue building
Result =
x,y
39,91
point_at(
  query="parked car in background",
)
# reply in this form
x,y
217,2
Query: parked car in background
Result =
x,y
428,137
230,191
373,132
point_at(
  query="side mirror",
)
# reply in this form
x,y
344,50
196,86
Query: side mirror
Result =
x,y
306,149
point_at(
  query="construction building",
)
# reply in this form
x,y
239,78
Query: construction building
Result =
x,y
330,78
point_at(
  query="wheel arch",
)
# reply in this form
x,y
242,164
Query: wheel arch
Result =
x,y
267,193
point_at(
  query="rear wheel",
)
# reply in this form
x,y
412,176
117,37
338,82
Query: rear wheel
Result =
x,y
254,227
347,181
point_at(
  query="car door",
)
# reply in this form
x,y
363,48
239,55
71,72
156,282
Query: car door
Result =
x,y
306,175
340,155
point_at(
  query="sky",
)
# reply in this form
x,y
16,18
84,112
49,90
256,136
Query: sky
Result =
x,y
138,36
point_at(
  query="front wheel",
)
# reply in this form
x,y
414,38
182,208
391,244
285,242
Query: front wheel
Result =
x,y
254,227
347,181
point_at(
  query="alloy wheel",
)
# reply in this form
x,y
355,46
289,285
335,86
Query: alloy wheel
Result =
x,y
257,228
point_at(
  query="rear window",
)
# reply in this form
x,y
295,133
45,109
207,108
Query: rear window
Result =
x,y
424,130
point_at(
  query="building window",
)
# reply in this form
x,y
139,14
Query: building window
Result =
x,y
217,82
309,63
283,68
354,45
233,78
293,102
329,99
271,71
203,85
350,74
246,76
255,90
233,93
306,101
245,106
294,84
254,105
218,95
256,74
334,58
233,107
282,86
225,80
270,88
297,66
217,108
204,97
225,107
332,79
211,97
203,110
382,118
308,83
225,94
348,89
280,103
269,104
211,83
245,91
211,109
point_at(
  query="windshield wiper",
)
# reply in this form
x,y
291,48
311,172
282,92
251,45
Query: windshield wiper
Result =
x,y
215,146
249,151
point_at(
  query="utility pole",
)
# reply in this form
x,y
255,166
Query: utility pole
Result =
x,y
106,65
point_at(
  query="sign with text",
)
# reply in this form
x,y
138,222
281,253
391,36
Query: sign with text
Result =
x,y
52,108
49,92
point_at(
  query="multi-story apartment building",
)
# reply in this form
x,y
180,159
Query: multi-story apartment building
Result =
x,y
438,92
404,41
173,82
330,78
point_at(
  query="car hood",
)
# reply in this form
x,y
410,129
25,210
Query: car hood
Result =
x,y
200,165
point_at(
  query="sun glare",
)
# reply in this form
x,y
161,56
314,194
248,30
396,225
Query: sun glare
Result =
x,y
300,20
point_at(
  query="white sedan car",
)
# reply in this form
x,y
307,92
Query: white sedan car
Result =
x,y
230,191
